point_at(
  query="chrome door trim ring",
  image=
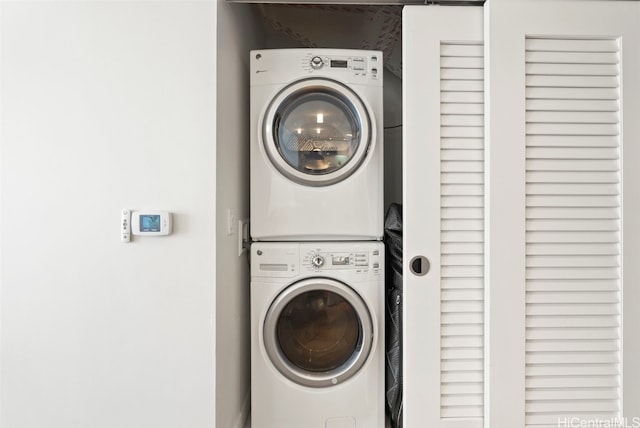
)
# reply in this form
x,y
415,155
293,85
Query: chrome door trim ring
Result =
x,y
340,91
302,377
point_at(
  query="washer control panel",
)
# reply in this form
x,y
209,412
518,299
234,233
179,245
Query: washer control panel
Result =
x,y
290,259
319,259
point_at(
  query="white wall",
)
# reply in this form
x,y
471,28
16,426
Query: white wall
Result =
x,y
107,105
236,36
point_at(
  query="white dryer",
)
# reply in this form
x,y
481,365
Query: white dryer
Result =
x,y
316,145
317,335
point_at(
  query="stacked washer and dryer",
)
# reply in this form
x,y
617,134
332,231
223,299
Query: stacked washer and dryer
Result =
x,y
317,260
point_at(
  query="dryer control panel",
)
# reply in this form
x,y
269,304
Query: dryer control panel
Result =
x,y
282,66
356,64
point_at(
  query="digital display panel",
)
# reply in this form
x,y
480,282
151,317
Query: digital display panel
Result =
x,y
338,63
340,260
149,223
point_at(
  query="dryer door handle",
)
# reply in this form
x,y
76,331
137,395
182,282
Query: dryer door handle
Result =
x,y
419,265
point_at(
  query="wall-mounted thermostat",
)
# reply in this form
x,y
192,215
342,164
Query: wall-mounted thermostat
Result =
x,y
150,223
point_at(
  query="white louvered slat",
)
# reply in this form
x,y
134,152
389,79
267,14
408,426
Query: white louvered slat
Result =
x,y
462,229
570,225
576,285
461,50
464,154
462,108
571,153
575,394
461,85
574,369
572,177
463,212
460,282
461,62
461,119
571,129
575,345
563,57
573,164
454,166
586,382
462,97
573,237
461,143
571,93
461,73
459,341
462,236
572,230
572,81
469,388
576,45
572,309
572,213
587,321
573,116
572,141
582,69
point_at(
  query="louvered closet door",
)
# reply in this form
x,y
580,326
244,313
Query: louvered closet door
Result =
x,y
564,156
444,216
572,286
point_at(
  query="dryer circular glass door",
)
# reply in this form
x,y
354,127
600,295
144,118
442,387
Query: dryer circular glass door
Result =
x,y
316,132
318,332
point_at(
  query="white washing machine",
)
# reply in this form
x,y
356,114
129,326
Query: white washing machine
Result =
x,y
317,335
316,145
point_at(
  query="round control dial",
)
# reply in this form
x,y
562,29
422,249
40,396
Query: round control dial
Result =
x,y
317,261
316,62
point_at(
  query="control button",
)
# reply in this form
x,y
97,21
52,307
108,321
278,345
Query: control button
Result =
x,y
362,258
126,227
376,265
376,252
317,261
316,62
358,64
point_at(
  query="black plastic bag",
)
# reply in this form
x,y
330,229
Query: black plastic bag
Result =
x,y
393,240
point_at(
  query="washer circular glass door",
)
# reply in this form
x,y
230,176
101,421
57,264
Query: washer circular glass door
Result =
x,y
318,332
316,132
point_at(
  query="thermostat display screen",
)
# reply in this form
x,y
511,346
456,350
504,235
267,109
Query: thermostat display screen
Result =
x,y
149,223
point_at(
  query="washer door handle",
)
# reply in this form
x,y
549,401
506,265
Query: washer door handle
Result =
x,y
419,265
